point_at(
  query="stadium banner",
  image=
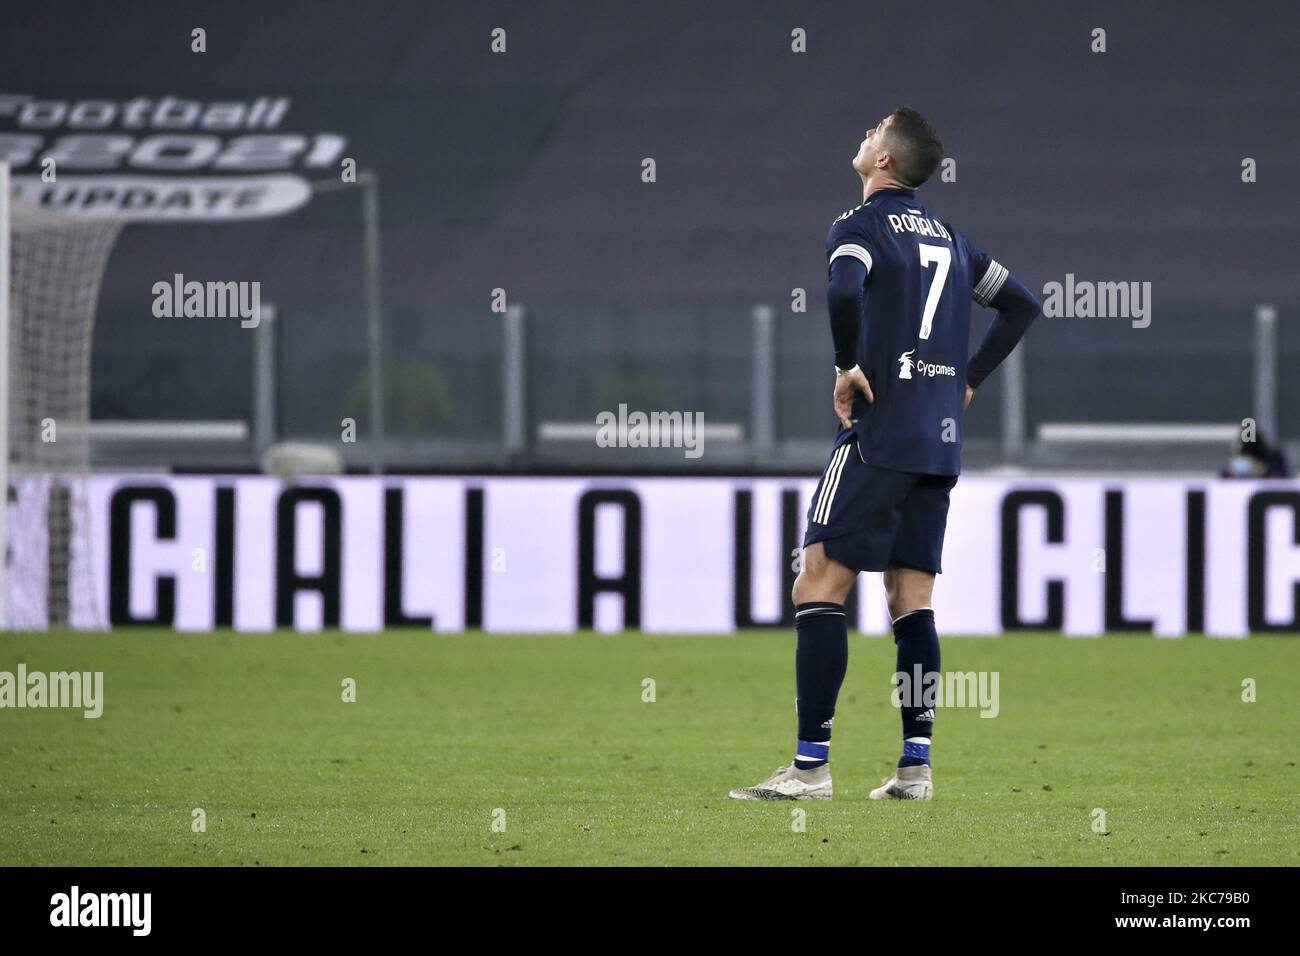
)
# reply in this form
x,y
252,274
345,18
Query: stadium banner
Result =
x,y
165,158
1080,556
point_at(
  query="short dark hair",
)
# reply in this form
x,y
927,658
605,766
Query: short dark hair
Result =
x,y
915,146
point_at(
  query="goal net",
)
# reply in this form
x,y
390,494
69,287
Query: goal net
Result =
x,y
51,265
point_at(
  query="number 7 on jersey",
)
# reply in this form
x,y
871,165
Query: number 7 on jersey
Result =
x,y
942,257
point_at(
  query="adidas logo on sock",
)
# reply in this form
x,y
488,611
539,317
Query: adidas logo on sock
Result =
x,y
926,715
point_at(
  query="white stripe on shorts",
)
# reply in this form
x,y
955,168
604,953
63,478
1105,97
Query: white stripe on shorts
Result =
x,y
831,482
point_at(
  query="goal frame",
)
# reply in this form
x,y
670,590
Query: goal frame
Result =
x,y
5,200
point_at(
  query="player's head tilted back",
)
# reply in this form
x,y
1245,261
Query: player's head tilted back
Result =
x,y
903,150
900,281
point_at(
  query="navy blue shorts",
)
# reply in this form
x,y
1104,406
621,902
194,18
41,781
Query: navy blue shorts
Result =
x,y
870,518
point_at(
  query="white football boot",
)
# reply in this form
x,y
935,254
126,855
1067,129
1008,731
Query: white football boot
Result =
x,y
790,783
908,783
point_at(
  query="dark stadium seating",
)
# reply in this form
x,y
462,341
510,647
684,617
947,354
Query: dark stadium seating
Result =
x,y
522,171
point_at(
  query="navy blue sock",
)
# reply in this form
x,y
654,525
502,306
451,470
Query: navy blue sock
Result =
x,y
821,657
918,658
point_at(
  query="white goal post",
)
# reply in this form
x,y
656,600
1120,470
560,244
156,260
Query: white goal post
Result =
x,y
51,267
5,193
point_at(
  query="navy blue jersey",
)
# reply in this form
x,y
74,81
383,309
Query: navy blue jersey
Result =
x,y
915,331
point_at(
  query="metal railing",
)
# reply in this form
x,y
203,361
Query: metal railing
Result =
x,y
527,392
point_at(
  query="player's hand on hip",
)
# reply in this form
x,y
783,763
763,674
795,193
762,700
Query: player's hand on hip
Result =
x,y
970,393
846,383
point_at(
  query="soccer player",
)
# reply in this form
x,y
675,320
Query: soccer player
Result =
x,y
901,283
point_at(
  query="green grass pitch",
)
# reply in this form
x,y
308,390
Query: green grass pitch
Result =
x,y
552,730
